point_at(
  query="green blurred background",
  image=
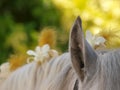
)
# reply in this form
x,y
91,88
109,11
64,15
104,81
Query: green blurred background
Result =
x,y
25,24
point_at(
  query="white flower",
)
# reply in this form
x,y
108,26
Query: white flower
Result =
x,y
94,40
5,67
42,53
4,72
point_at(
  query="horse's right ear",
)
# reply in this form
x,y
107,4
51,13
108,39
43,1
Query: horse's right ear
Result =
x,y
82,54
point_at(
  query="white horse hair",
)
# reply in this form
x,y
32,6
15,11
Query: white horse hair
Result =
x,y
81,68
56,74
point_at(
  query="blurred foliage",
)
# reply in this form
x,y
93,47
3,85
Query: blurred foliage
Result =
x,y
26,24
112,37
101,17
20,23
95,14
17,61
48,36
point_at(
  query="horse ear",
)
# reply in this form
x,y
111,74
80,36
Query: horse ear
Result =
x,y
83,56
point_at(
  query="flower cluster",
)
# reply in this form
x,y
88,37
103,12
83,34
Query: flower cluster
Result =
x,y
95,41
42,54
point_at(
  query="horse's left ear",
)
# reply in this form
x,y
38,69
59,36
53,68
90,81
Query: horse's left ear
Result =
x,y
83,56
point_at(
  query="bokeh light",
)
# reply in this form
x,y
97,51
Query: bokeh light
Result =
x,y
25,25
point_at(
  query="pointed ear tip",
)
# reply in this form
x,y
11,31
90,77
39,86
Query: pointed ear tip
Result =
x,y
78,19
76,23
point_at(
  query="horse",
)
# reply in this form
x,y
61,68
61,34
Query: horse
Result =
x,y
82,68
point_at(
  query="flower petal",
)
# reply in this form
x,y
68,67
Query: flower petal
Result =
x,y
30,52
45,48
37,49
99,40
5,67
89,35
53,53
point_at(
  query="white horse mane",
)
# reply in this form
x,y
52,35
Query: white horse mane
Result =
x,y
109,70
107,74
56,74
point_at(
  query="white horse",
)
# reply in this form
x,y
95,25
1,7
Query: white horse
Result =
x,y
81,68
